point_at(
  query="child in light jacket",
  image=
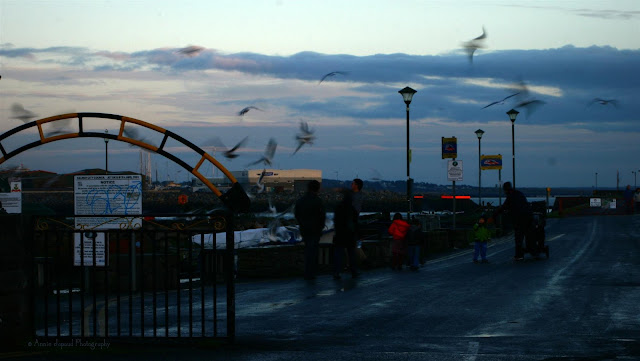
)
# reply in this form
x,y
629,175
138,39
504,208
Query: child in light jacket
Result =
x,y
481,235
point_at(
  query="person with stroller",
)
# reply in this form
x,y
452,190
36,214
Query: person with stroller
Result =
x,y
398,231
481,236
521,216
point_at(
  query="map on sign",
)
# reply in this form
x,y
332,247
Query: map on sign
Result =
x,y
107,196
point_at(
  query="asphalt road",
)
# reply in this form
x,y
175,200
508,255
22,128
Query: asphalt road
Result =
x,y
583,303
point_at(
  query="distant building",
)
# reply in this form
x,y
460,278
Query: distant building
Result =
x,y
273,180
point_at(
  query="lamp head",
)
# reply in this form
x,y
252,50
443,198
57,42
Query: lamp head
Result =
x,y
479,133
513,114
407,94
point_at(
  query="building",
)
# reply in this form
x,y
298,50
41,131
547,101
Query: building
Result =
x,y
272,180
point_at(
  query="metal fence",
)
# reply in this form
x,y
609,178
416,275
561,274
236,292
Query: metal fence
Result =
x,y
159,279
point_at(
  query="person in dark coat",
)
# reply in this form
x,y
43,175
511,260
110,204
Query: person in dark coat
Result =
x,y
345,221
310,215
521,216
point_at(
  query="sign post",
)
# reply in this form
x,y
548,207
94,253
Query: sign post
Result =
x,y
103,202
454,173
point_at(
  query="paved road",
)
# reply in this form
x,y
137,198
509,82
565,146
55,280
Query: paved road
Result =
x,y
583,303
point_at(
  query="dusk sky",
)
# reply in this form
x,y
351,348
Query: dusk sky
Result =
x,y
122,57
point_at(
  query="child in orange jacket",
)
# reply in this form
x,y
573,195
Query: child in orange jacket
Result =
x,y
398,230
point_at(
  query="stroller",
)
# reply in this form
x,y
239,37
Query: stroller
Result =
x,y
535,237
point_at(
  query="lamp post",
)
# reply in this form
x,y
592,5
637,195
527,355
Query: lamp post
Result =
x,y
106,153
596,181
479,133
634,178
512,116
407,95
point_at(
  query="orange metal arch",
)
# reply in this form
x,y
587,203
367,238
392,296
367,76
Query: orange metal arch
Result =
x,y
121,137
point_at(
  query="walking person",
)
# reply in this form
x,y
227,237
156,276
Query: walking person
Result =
x,y
310,215
481,235
414,240
398,231
346,230
628,199
521,216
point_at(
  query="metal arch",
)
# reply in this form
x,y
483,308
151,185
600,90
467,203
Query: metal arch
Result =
x,y
121,137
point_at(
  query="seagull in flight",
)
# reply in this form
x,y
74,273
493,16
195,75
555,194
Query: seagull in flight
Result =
x,y
530,106
305,136
472,45
246,110
604,102
191,50
269,151
501,101
19,112
217,144
333,73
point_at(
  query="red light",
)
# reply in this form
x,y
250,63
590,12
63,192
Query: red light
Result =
x,y
457,197
418,197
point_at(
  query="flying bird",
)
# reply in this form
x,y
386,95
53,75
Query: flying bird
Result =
x,y
246,110
530,106
472,45
305,136
269,151
191,50
333,73
260,183
604,102
19,112
227,153
500,101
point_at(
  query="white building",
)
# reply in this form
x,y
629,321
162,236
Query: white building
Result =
x,y
273,179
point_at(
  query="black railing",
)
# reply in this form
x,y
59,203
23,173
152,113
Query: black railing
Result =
x,y
165,279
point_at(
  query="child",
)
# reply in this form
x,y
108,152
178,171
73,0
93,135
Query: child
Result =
x,y
414,240
398,230
481,235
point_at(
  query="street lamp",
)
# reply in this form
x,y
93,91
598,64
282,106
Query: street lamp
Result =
x,y
634,178
479,133
512,116
407,95
106,153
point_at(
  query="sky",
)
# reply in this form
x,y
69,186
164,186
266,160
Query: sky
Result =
x,y
123,57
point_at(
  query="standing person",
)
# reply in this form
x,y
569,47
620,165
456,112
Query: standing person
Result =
x,y
481,235
628,199
310,214
414,239
521,216
398,230
356,188
345,222
636,199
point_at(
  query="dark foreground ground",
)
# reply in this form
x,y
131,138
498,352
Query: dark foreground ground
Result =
x,y
583,303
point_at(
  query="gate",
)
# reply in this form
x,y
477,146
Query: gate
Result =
x,y
165,278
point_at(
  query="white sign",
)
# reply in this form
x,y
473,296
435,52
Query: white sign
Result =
x,y
595,202
87,249
612,204
454,170
12,201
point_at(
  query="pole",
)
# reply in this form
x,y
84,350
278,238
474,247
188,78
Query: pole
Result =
x,y
479,176
454,205
106,157
596,181
513,153
408,174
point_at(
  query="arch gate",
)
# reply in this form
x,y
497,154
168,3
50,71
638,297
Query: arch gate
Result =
x,y
132,275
